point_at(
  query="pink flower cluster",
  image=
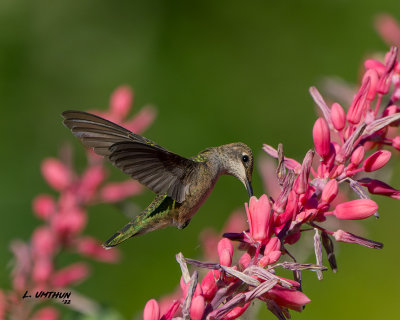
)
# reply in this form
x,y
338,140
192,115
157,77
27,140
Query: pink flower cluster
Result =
x,y
64,220
349,147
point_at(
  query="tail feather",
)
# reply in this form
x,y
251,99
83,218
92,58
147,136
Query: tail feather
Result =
x,y
156,216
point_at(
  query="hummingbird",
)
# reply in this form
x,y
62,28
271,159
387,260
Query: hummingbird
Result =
x,y
181,184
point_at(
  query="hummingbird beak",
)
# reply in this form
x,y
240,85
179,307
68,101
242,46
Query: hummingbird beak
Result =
x,y
249,188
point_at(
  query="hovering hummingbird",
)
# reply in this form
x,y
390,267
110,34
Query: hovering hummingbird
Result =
x,y
181,184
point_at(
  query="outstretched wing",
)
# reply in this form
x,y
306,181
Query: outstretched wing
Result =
x,y
161,171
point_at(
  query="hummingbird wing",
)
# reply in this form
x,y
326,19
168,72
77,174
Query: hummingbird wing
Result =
x,y
98,133
161,171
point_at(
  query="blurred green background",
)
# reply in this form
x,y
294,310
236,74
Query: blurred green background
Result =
x,y
218,72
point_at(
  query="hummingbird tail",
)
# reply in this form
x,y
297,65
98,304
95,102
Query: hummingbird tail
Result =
x,y
129,230
155,216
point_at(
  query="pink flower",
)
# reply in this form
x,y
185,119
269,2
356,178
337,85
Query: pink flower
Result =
x,y
44,206
67,223
338,116
377,160
197,308
209,284
42,269
151,310
287,298
73,273
46,313
90,182
115,192
272,252
142,120
236,312
259,218
121,101
90,247
388,28
358,156
330,191
56,174
321,136
43,242
356,209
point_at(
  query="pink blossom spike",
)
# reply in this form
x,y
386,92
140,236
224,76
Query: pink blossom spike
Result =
x,y
73,273
259,218
348,237
151,310
377,160
321,136
142,120
56,174
355,209
197,308
121,102
44,206
338,116
357,156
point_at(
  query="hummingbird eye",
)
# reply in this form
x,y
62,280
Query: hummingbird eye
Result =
x,y
245,158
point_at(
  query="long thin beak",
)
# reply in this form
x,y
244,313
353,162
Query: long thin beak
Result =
x,y
249,188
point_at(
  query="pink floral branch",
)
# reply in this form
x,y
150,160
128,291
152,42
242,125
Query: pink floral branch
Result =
x,y
64,219
349,146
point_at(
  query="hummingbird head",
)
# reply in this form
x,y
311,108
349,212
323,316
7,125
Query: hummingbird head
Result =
x,y
237,160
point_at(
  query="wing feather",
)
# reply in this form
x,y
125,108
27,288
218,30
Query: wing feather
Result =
x,y
162,171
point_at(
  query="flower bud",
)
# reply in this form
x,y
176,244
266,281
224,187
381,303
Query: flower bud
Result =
x,y
46,313
151,310
71,274
209,284
56,173
355,209
44,206
357,156
391,110
396,142
225,243
338,116
377,160
236,312
244,260
330,191
197,308
43,242
287,298
321,136
259,218
376,65
121,101
90,247
115,192
42,269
